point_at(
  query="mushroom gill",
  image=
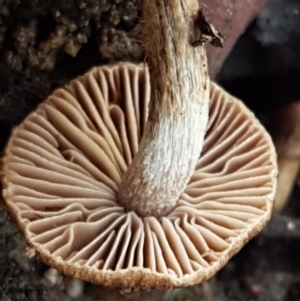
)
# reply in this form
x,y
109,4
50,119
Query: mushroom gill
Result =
x,y
64,163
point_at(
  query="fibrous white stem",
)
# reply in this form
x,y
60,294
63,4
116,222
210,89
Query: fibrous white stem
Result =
x,y
178,112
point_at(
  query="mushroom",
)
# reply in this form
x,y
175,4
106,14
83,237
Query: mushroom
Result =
x,y
117,195
285,130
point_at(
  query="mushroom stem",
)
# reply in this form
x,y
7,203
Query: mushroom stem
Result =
x,y
178,109
288,171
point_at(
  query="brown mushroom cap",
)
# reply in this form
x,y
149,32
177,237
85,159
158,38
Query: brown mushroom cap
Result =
x,y
63,165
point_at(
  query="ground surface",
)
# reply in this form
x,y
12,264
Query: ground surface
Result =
x,y
263,70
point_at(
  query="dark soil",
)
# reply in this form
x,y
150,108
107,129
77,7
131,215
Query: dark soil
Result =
x,y
43,44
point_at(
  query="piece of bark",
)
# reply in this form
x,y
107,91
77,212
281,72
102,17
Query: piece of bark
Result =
x,y
230,17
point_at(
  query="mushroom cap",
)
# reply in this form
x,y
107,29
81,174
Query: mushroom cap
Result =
x,y
63,164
